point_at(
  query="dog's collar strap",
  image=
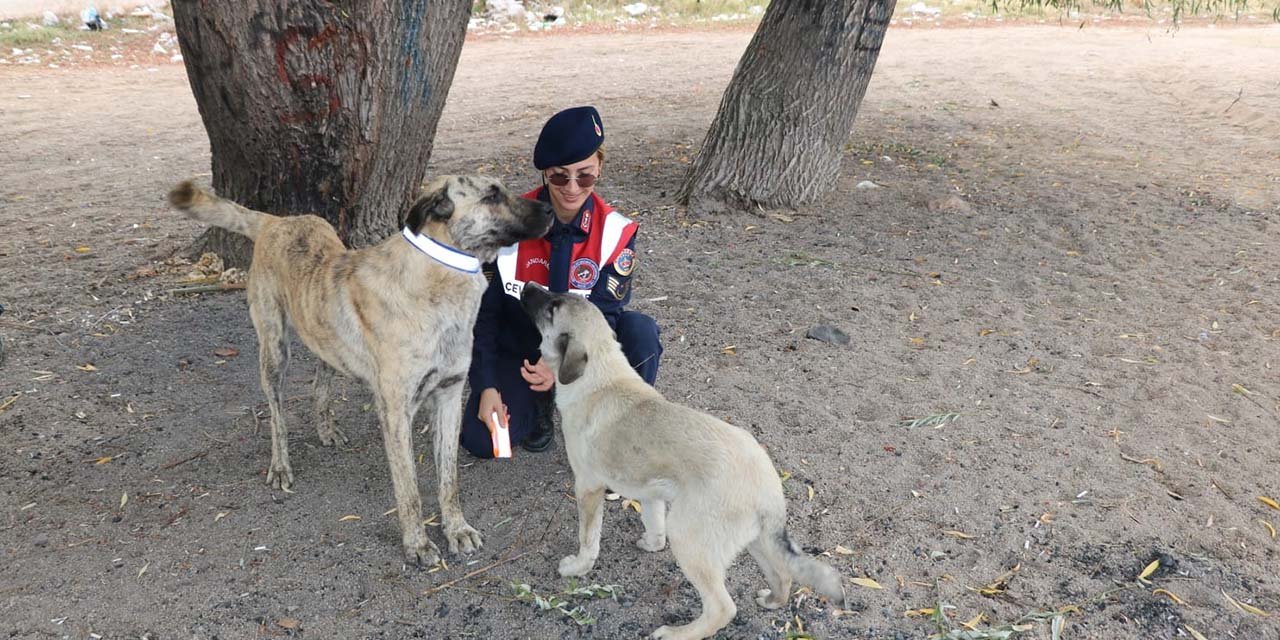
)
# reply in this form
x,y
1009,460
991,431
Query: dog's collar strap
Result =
x,y
442,253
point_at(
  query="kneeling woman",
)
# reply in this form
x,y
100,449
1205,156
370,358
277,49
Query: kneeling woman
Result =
x,y
590,250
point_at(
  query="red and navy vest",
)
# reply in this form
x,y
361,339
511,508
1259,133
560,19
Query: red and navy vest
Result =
x,y
608,233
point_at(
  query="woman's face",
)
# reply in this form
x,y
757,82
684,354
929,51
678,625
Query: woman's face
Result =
x,y
569,198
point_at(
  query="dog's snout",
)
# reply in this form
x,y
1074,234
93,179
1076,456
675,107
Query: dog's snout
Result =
x,y
538,217
533,297
542,214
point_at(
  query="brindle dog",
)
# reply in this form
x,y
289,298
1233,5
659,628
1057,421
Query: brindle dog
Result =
x,y
391,315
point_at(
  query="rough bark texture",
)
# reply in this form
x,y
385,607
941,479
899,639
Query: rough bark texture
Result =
x,y
777,138
314,106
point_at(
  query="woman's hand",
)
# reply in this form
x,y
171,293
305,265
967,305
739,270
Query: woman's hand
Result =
x,y
491,402
538,375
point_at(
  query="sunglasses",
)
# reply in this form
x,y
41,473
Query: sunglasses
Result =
x,y
562,179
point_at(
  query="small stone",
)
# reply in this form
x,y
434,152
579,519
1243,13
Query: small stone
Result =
x,y
50,19
41,540
828,334
867,184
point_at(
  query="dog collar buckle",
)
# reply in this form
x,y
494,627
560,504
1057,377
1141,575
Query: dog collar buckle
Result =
x,y
442,253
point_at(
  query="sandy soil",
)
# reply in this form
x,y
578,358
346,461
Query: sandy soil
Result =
x,y
1073,249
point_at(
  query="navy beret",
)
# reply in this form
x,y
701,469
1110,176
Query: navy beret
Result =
x,y
568,137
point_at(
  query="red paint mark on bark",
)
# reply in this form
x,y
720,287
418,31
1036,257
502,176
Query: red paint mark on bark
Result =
x,y
300,82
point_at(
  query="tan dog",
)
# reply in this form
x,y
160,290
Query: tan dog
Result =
x,y
397,315
724,493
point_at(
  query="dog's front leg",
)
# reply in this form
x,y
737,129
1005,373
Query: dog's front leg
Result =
x,y
397,439
446,414
590,514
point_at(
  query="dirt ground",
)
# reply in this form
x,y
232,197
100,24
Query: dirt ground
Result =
x,y
1073,249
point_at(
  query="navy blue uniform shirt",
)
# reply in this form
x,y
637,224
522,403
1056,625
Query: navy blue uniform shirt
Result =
x,y
502,326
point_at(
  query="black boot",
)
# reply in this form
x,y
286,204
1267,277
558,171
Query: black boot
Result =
x,y
544,430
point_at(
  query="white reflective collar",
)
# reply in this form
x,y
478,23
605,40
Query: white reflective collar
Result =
x,y
444,254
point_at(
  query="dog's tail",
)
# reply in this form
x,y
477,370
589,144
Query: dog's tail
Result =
x,y
205,207
807,570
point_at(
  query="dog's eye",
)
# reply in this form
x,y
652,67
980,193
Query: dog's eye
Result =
x,y
493,197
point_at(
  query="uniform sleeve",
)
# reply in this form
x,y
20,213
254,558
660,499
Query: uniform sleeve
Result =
x,y
484,348
613,290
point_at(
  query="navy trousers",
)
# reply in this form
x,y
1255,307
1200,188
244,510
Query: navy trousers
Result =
x,y
638,334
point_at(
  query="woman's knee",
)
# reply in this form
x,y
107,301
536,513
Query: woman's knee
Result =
x,y
640,330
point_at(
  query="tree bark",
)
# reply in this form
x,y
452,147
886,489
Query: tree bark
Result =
x,y
316,106
778,135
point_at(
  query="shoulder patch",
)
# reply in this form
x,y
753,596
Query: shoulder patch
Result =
x,y
625,263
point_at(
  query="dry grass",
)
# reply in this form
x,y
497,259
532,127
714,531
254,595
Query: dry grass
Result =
x,y
29,32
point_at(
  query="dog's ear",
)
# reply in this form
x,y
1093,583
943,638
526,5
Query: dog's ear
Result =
x,y
573,359
435,205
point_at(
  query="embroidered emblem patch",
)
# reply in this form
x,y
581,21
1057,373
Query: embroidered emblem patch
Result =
x,y
625,263
586,221
583,273
617,287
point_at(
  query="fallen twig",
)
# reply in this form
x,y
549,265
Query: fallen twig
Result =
x,y
176,517
206,434
893,272
1155,464
546,530
1245,393
489,567
208,288
18,325
1233,102
185,460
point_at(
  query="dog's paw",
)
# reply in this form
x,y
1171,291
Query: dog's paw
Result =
x,y
423,555
331,435
767,599
462,538
280,475
670,633
650,542
576,565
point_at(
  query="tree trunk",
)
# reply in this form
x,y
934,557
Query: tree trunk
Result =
x,y
315,106
783,120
